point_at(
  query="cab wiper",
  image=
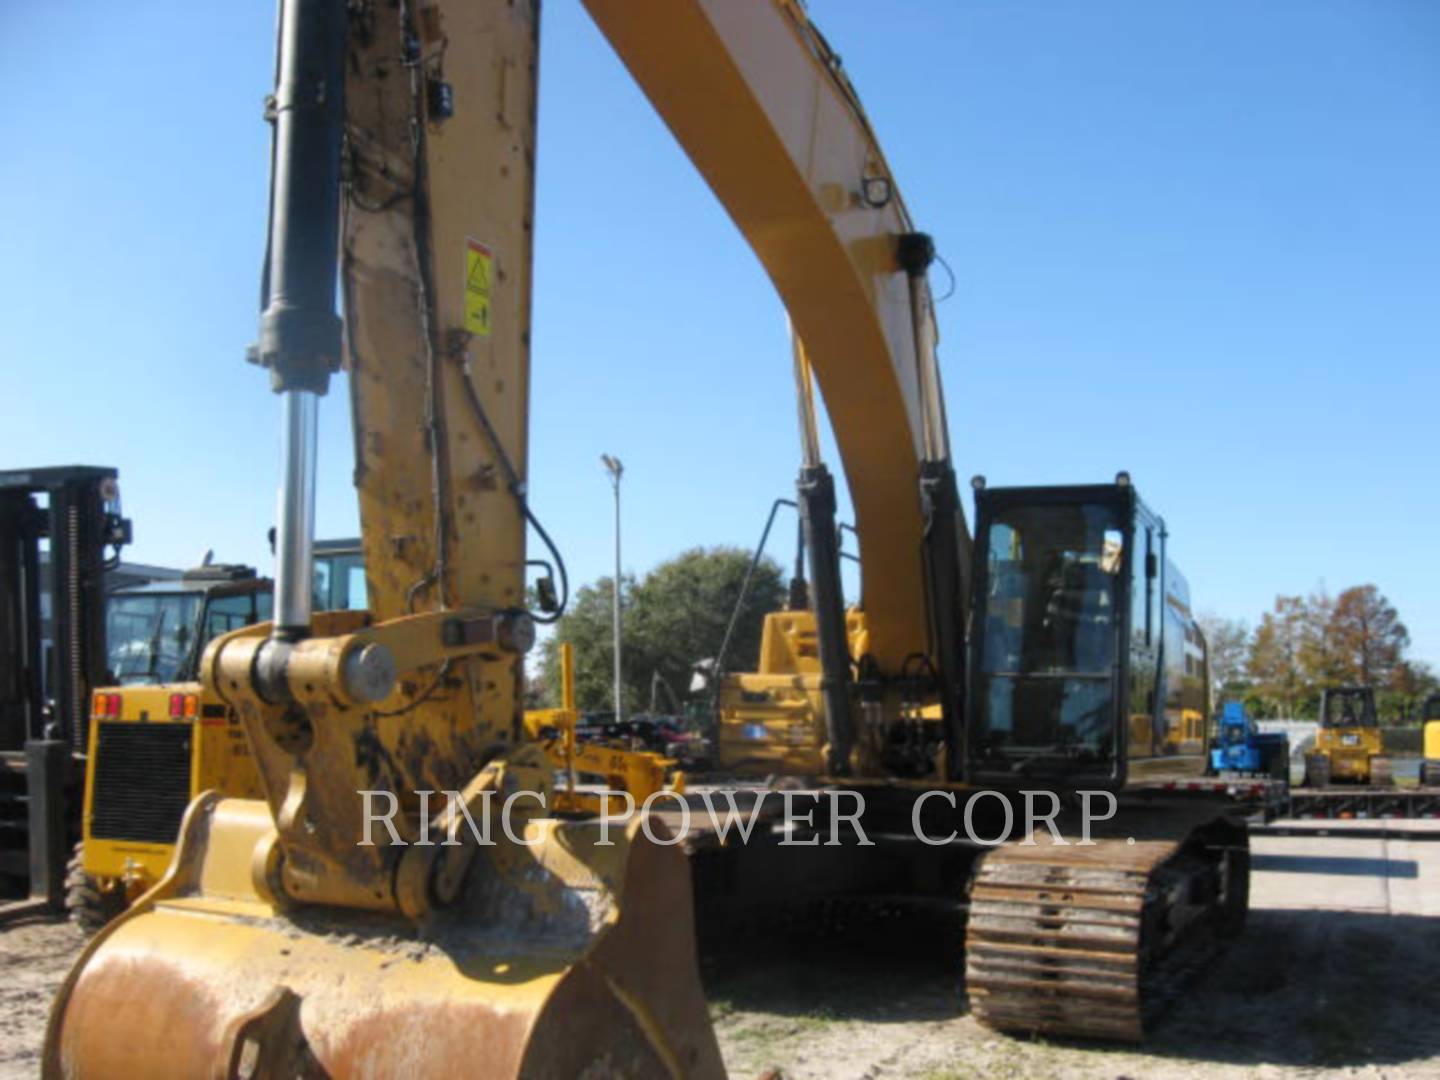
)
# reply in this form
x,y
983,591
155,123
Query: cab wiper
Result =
x,y
155,644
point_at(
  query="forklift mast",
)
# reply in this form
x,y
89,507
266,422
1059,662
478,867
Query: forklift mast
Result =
x,y
55,527
45,684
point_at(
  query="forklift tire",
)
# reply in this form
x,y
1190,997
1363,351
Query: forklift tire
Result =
x,y
1317,770
89,908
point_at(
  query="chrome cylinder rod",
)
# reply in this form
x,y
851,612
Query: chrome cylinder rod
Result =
x,y
932,395
295,518
805,402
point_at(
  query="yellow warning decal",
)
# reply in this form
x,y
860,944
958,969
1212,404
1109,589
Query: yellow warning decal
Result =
x,y
479,273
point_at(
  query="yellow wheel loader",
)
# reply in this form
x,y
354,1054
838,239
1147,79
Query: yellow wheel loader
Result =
x,y
157,739
1349,748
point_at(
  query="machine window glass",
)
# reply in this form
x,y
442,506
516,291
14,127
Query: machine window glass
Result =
x,y
355,597
149,636
321,583
228,613
1052,591
1112,551
340,582
1149,586
1050,623
1344,710
1139,594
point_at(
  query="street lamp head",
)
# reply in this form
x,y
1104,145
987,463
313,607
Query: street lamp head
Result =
x,y
613,465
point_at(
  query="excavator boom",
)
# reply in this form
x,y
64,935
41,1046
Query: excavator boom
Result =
x,y
303,934
758,101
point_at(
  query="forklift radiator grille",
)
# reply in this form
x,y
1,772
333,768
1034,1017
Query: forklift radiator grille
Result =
x,y
142,782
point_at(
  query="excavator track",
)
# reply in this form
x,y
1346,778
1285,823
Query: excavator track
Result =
x,y
1097,941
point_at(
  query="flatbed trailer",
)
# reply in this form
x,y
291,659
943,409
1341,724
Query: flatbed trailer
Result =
x,y
1277,799
1340,802
1268,798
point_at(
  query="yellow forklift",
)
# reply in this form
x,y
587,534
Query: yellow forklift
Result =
x,y
1348,747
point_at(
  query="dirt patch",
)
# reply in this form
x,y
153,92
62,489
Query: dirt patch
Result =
x,y
35,958
1300,994
1303,993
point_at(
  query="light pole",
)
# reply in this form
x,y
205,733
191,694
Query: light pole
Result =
x,y
615,469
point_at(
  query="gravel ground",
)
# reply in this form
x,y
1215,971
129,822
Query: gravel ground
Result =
x,y
35,957
1335,975
1304,993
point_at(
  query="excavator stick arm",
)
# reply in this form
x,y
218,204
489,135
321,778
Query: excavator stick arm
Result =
x,y
286,939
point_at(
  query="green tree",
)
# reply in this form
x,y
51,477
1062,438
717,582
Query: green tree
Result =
x,y
1273,664
1227,644
673,618
1308,643
1412,682
1317,657
1366,637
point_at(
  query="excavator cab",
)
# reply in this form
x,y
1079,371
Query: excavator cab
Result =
x,y
1051,626
1084,656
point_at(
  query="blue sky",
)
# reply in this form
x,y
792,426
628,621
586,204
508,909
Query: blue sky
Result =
x,y
1197,241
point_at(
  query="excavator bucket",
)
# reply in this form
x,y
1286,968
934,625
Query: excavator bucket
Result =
x,y
563,957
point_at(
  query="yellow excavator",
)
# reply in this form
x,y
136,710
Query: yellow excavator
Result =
x,y
361,919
